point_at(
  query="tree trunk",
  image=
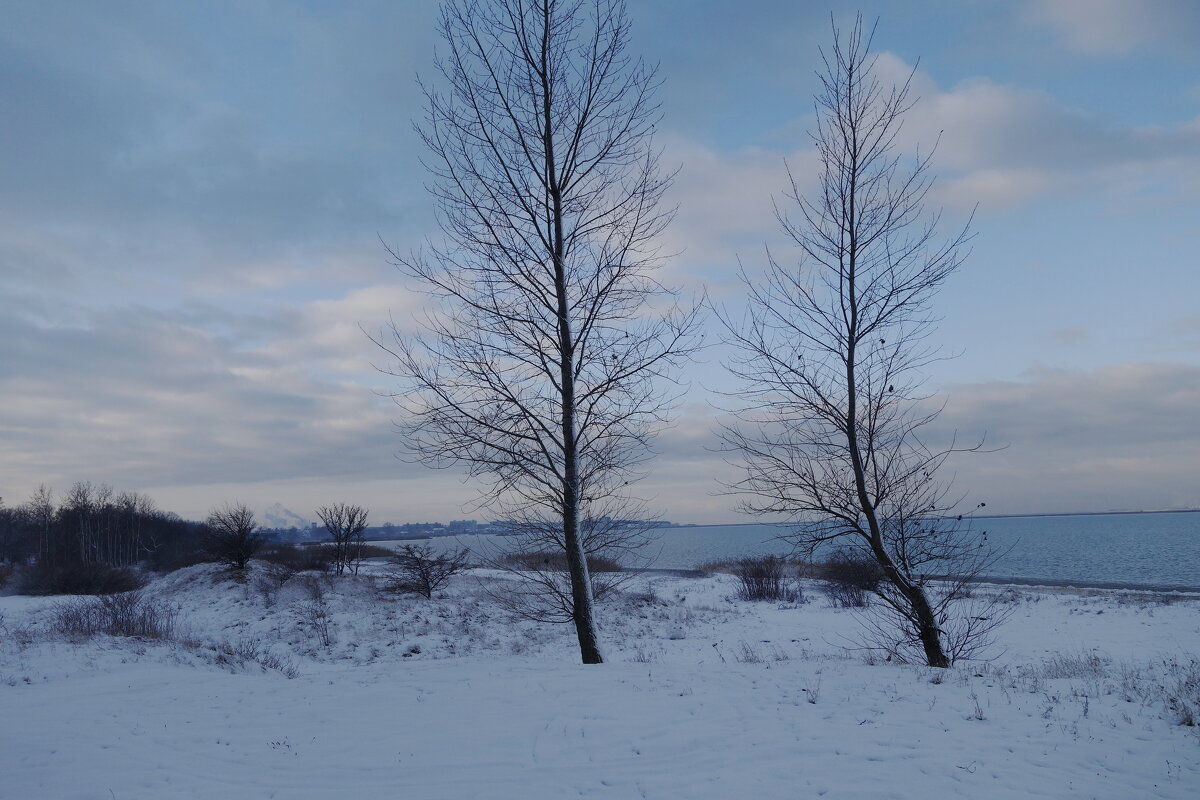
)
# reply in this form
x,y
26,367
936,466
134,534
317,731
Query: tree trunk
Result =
x,y
927,628
582,613
923,617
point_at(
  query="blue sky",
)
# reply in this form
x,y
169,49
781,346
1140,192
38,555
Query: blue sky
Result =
x,y
192,195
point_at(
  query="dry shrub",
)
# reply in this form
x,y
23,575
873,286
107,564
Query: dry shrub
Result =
x,y
316,611
418,569
237,655
849,579
1183,692
126,614
271,579
1084,664
765,578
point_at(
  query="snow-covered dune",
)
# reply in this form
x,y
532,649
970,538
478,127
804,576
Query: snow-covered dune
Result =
x,y
323,688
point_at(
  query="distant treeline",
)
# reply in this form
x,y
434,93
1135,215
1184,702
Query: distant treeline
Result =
x,y
89,531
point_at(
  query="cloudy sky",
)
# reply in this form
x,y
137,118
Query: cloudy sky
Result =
x,y
192,197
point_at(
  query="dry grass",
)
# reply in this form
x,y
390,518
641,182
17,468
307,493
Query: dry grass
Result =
x,y
126,614
547,561
375,551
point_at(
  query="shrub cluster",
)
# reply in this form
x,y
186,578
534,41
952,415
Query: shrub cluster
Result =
x,y
1183,693
766,578
416,568
125,614
849,578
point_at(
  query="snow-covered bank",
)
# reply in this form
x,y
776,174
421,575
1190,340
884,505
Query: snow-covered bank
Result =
x,y
704,696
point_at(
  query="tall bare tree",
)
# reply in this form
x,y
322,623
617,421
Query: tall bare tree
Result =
x,y
832,356
539,368
345,525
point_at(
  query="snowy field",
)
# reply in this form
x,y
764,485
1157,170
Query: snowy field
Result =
x,y
323,688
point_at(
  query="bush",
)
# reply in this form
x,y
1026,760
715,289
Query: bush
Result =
x,y
547,561
416,568
79,578
850,578
765,578
237,655
126,614
1183,693
232,536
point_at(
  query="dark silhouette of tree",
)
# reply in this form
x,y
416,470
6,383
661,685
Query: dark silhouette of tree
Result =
x,y
417,568
232,537
345,525
86,542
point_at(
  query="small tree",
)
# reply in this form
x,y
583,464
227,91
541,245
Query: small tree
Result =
x,y
416,568
232,537
832,354
345,524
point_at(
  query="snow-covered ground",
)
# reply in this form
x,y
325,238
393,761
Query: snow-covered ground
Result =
x,y
326,689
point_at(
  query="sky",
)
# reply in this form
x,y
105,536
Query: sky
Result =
x,y
194,198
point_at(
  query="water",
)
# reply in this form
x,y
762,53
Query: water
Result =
x,y
1160,551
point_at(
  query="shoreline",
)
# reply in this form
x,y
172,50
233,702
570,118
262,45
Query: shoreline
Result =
x,y
1001,580
1155,588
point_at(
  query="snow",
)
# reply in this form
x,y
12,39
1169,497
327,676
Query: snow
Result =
x,y
704,696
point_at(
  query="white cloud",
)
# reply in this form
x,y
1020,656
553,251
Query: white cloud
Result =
x,y
332,334
186,255
725,206
135,397
998,146
1117,437
1113,27
1001,145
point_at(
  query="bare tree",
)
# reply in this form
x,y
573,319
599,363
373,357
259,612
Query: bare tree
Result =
x,y
232,536
345,524
539,368
40,513
417,568
832,356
